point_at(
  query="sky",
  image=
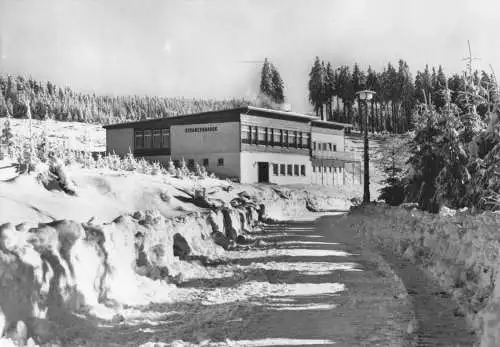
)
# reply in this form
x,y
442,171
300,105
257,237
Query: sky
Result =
x,y
215,48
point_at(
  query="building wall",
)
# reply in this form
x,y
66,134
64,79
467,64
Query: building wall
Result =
x,y
121,141
274,123
323,176
225,140
229,169
322,135
249,167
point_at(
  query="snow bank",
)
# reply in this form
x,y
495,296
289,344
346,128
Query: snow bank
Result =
x,y
298,203
461,250
52,270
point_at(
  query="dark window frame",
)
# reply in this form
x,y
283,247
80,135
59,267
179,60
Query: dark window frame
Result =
x,y
220,162
276,170
139,135
156,138
289,170
282,170
296,170
148,142
302,170
165,134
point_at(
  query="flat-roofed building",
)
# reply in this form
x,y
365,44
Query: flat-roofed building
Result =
x,y
249,144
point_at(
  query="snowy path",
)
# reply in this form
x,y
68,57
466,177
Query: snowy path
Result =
x,y
302,287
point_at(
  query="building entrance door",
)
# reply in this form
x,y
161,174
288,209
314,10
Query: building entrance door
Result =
x,y
263,172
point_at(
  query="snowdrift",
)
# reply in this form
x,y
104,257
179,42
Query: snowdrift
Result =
x,y
53,270
461,250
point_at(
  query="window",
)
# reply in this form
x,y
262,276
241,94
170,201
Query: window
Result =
x,y
246,134
303,170
285,140
139,139
269,136
330,146
291,138
275,170
220,162
289,170
282,170
190,164
296,170
156,138
262,136
314,145
306,140
330,169
300,140
314,168
205,162
147,138
335,148
324,146
165,138
255,135
282,138
276,137
295,139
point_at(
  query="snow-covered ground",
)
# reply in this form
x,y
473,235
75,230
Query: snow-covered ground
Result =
x,y
93,252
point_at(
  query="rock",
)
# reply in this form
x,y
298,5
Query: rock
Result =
x,y
220,239
409,254
138,215
241,240
117,318
181,247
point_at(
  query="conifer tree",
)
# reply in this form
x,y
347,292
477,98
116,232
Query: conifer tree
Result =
x,y
266,79
329,89
316,87
278,95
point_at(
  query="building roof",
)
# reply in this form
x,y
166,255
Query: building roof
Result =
x,y
331,125
223,116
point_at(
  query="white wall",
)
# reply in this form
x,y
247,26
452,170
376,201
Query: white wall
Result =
x,y
323,176
121,141
249,167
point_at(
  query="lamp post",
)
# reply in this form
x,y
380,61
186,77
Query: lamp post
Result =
x,y
365,95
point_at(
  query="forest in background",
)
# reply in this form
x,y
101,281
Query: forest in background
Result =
x,y
398,98
47,100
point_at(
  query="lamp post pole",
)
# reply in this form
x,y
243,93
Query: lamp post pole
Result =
x,y
366,182
364,96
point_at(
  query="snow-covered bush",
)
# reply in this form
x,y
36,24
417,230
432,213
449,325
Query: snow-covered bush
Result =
x,y
171,167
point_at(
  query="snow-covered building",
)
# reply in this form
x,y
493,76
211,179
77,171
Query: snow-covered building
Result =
x,y
249,144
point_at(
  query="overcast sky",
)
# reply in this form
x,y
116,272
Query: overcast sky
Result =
x,y
197,48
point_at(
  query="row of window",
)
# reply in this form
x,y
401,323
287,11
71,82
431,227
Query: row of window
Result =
x,y
326,169
274,137
289,170
205,162
152,138
324,146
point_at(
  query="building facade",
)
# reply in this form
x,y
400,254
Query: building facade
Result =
x,y
248,144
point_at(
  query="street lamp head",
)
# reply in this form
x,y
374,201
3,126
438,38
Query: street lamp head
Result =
x,y
365,94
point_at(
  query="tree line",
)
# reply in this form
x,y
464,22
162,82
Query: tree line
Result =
x,y
394,108
47,100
